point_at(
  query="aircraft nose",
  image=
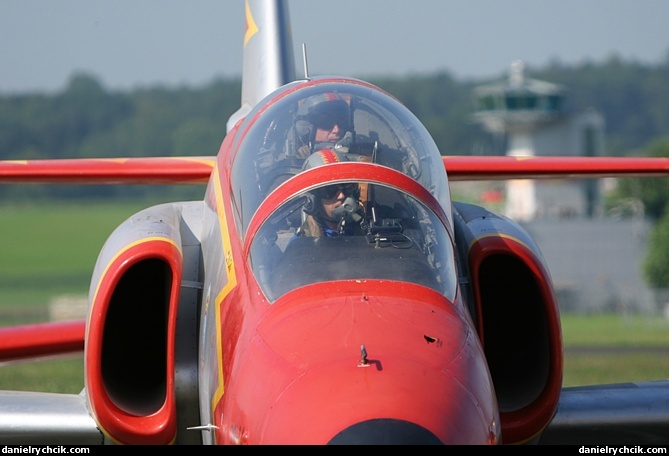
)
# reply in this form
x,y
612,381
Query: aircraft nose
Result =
x,y
385,432
341,368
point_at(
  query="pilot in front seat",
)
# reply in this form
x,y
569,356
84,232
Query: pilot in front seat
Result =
x,y
333,210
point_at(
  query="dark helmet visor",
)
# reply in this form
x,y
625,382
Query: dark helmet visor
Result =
x,y
331,191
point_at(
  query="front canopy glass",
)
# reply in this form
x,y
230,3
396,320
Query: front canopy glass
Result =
x,y
374,232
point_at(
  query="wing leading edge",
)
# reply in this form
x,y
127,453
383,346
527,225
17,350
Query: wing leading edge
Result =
x,y
113,171
470,168
27,342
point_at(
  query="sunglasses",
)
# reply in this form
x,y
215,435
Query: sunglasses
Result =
x,y
328,121
331,191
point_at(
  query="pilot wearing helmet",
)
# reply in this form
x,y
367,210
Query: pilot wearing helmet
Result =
x,y
334,210
321,122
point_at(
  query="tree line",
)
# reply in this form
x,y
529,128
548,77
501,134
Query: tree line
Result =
x,y
87,120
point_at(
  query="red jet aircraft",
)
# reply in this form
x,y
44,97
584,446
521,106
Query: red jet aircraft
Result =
x,y
326,290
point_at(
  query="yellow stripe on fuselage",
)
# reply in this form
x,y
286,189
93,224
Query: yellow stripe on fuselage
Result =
x,y
227,288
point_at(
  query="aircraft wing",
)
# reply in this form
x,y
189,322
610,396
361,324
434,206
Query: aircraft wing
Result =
x,y
46,419
143,171
27,342
470,168
616,414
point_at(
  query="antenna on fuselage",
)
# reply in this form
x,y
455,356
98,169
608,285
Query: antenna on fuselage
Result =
x,y
304,61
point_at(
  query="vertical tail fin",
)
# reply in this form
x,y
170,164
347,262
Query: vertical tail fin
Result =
x,y
269,62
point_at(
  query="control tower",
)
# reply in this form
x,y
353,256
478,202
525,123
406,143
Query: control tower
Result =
x,y
533,117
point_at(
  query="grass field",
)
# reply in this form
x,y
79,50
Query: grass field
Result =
x,y
613,348
50,250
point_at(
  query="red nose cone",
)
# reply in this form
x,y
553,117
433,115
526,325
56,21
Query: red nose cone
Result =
x,y
383,367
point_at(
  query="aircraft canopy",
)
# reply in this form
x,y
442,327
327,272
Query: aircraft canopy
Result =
x,y
279,137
